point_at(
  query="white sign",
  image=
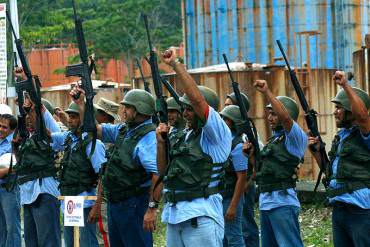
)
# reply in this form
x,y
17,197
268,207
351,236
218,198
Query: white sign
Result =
x,y
74,211
3,59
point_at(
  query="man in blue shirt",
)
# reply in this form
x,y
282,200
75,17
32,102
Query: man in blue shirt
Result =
x,y
249,225
235,180
131,170
38,185
193,210
276,175
79,173
349,171
10,221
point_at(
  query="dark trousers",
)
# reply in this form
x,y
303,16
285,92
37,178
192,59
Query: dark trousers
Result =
x,y
125,223
351,225
280,227
249,225
10,219
42,222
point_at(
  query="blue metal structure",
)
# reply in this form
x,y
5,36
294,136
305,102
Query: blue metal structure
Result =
x,y
247,29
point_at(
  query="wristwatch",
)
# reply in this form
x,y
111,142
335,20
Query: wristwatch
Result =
x,y
153,204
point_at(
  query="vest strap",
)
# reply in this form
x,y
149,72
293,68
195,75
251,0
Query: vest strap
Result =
x,y
172,196
276,186
36,175
348,187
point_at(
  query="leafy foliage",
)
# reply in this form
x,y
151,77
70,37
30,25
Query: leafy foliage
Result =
x,y
113,28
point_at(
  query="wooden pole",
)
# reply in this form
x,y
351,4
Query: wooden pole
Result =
x,y
76,229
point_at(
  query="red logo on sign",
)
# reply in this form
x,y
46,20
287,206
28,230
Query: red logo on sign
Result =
x,y
1,7
70,207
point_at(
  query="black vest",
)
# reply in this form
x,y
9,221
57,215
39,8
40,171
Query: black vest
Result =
x,y
190,171
36,161
77,173
123,175
278,167
353,169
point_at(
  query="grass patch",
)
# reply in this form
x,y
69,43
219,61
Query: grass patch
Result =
x,y
315,221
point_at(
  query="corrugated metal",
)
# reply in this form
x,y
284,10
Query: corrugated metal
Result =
x,y
247,29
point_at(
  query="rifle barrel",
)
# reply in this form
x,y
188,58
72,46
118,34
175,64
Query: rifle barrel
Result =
x,y
228,67
283,53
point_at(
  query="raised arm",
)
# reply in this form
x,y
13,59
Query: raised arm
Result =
x,y
277,106
81,106
358,108
188,84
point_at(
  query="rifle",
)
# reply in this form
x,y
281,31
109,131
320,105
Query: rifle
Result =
x,y
84,70
146,84
169,88
161,105
310,116
247,126
31,85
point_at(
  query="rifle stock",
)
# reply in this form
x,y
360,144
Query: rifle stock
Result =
x,y
310,117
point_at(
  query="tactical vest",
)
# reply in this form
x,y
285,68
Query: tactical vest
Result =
x,y
77,173
123,175
278,167
174,136
36,161
230,174
353,169
190,171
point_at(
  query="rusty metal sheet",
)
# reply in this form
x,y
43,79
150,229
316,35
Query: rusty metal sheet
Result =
x,y
247,30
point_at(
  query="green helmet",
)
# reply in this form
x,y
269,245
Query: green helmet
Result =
x,y
289,104
73,108
244,98
232,112
143,101
341,98
172,105
48,105
210,96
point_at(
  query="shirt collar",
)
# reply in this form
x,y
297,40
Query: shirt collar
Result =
x,y
143,123
277,133
9,138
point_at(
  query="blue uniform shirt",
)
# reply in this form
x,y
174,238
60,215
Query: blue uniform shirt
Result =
x,y
216,142
295,142
6,147
6,144
145,152
359,197
240,161
30,190
97,159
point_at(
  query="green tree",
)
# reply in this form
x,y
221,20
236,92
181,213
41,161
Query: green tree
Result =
x,y
113,28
